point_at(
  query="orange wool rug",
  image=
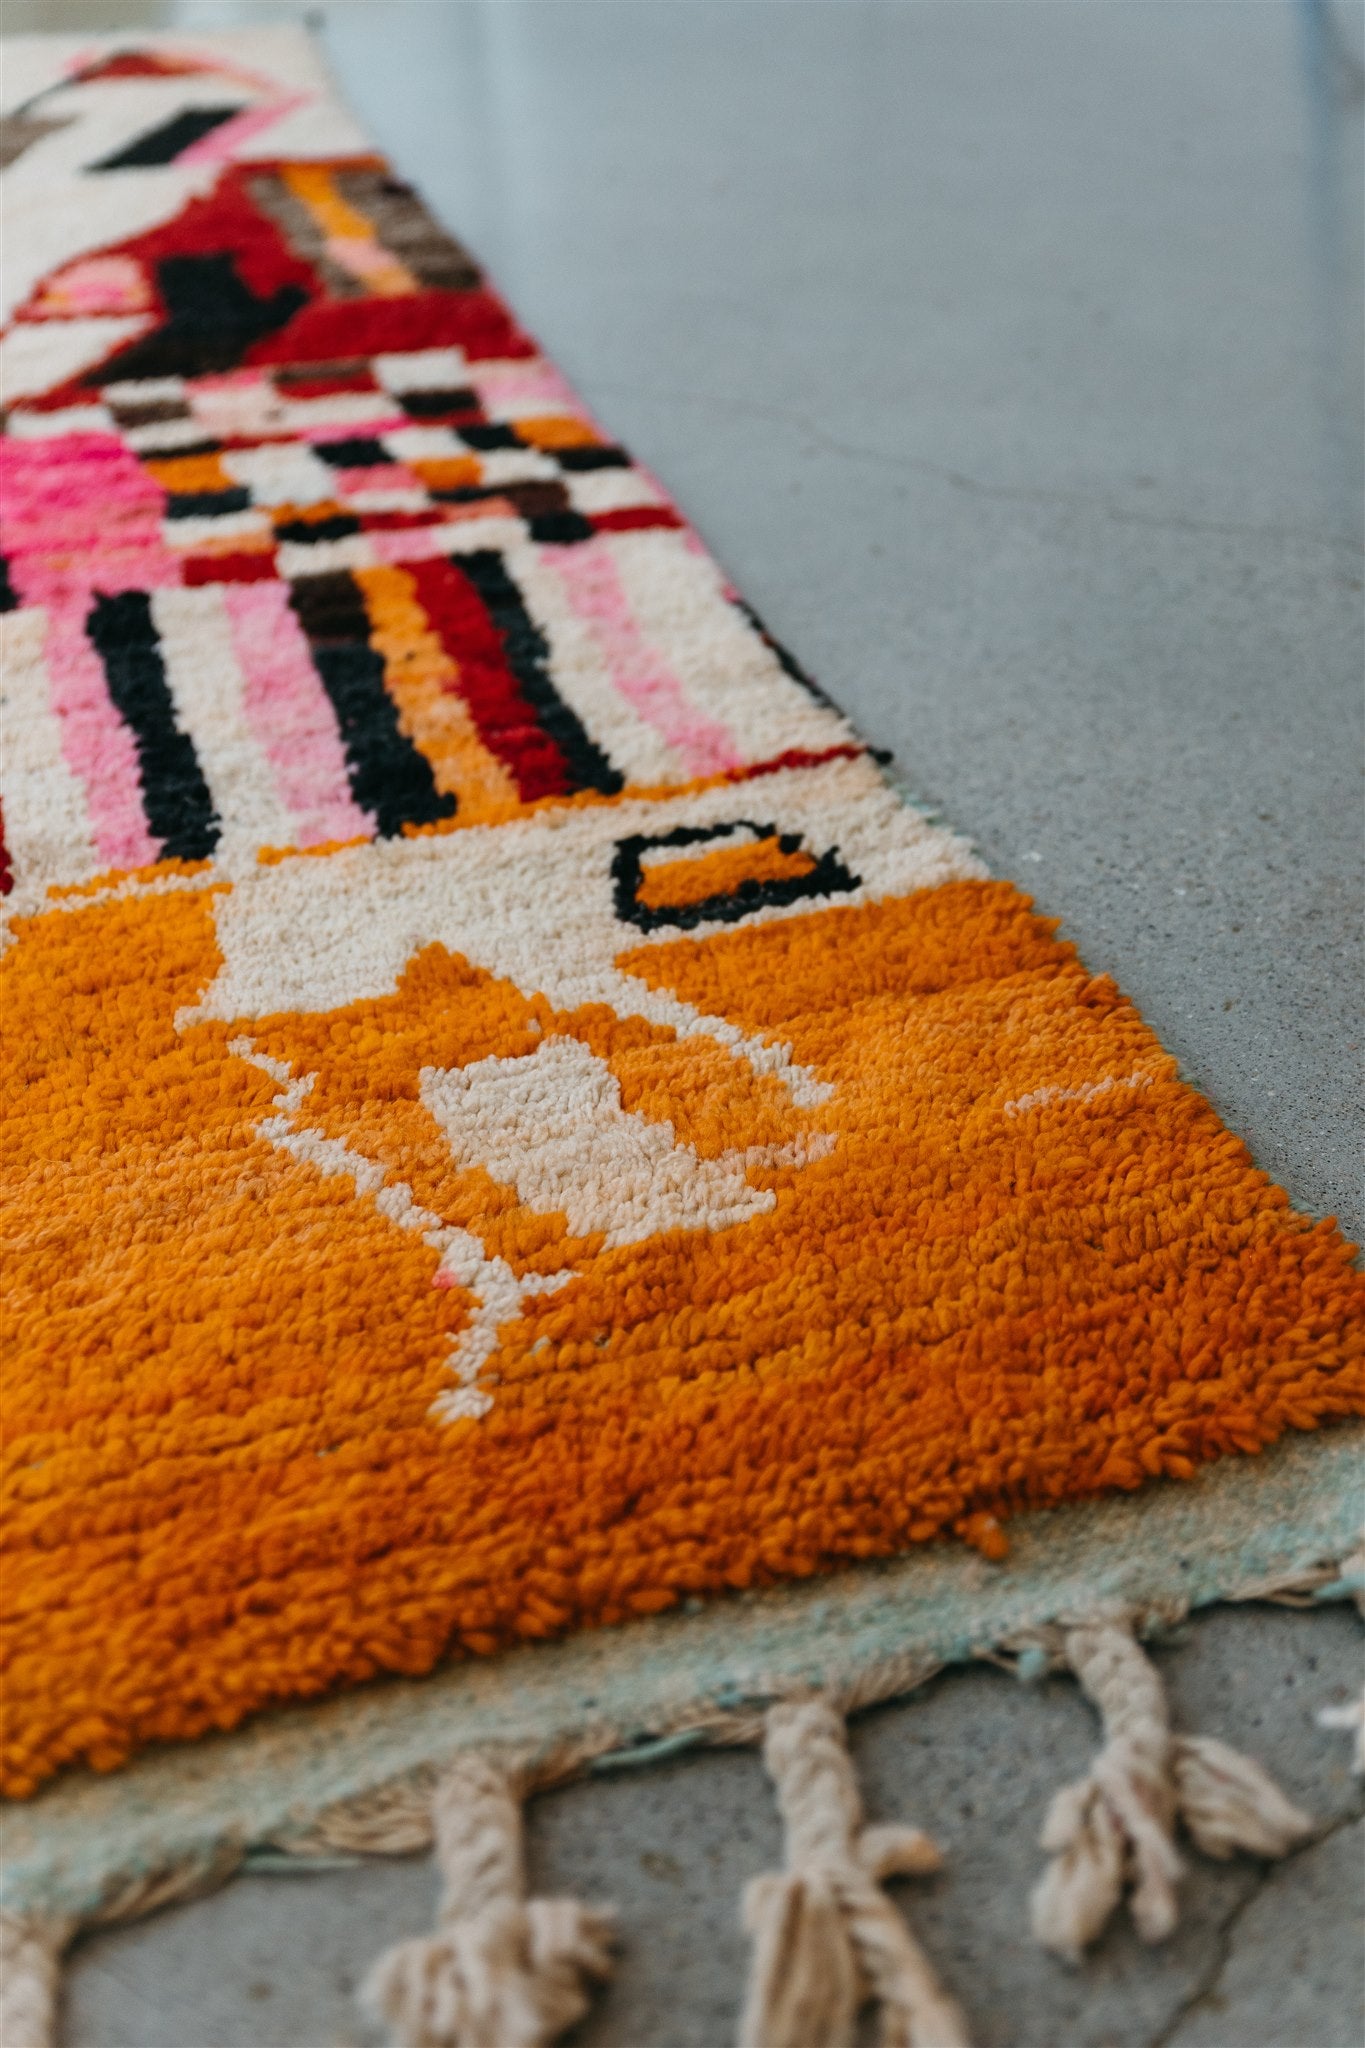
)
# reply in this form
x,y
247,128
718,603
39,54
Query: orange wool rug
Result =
x,y
513,1124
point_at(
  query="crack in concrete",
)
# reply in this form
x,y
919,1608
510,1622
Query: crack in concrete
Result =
x,y
1225,1933
1177,522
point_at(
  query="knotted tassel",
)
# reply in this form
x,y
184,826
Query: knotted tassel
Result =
x,y
1114,1830
501,1970
30,1974
1351,1717
826,1936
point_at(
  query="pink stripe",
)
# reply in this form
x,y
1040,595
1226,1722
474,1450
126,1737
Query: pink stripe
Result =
x,y
638,671
420,543
222,143
230,380
98,746
390,476
82,516
292,715
530,387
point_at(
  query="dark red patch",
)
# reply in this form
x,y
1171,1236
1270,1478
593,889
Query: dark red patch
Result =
x,y
394,522
635,519
255,567
324,380
140,64
794,757
507,724
475,321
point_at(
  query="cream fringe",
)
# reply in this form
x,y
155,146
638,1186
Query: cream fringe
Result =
x,y
522,1967
1351,1717
30,1974
1114,1830
32,1947
826,1937
501,1971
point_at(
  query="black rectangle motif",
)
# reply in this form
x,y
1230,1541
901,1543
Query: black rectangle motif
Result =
x,y
164,144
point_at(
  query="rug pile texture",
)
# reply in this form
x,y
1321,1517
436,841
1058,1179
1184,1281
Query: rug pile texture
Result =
x,y
513,1124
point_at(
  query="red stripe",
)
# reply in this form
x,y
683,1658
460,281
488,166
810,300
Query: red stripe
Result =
x,y
635,518
795,757
6,864
258,566
475,321
399,522
324,385
507,724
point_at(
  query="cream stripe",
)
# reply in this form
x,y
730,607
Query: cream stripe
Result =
x,y
206,686
676,596
47,823
584,679
464,1259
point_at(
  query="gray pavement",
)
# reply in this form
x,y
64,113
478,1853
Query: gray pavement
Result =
x,y
1266,1956
1009,356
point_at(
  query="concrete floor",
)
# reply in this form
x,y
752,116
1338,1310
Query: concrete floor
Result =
x,y
1009,357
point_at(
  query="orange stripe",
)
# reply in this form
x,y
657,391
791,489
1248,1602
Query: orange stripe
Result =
x,y
997,1290
350,237
423,681
674,883
556,430
190,473
449,472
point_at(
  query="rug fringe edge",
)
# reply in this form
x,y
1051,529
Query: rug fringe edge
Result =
x,y
544,1954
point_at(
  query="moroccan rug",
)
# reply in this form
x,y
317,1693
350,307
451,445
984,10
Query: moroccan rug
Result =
x,y
516,1127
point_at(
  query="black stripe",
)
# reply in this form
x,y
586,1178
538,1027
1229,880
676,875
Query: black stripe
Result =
x,y
150,412
828,877
175,796
560,529
528,657
164,144
8,597
591,458
441,405
308,532
388,776
205,447
206,504
496,434
545,507
361,451
788,661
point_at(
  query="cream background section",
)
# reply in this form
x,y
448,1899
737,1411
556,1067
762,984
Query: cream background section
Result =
x,y
675,593
207,688
532,901
551,1125
47,825
33,357
583,675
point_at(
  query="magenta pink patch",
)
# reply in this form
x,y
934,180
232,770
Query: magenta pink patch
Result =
x,y
86,517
